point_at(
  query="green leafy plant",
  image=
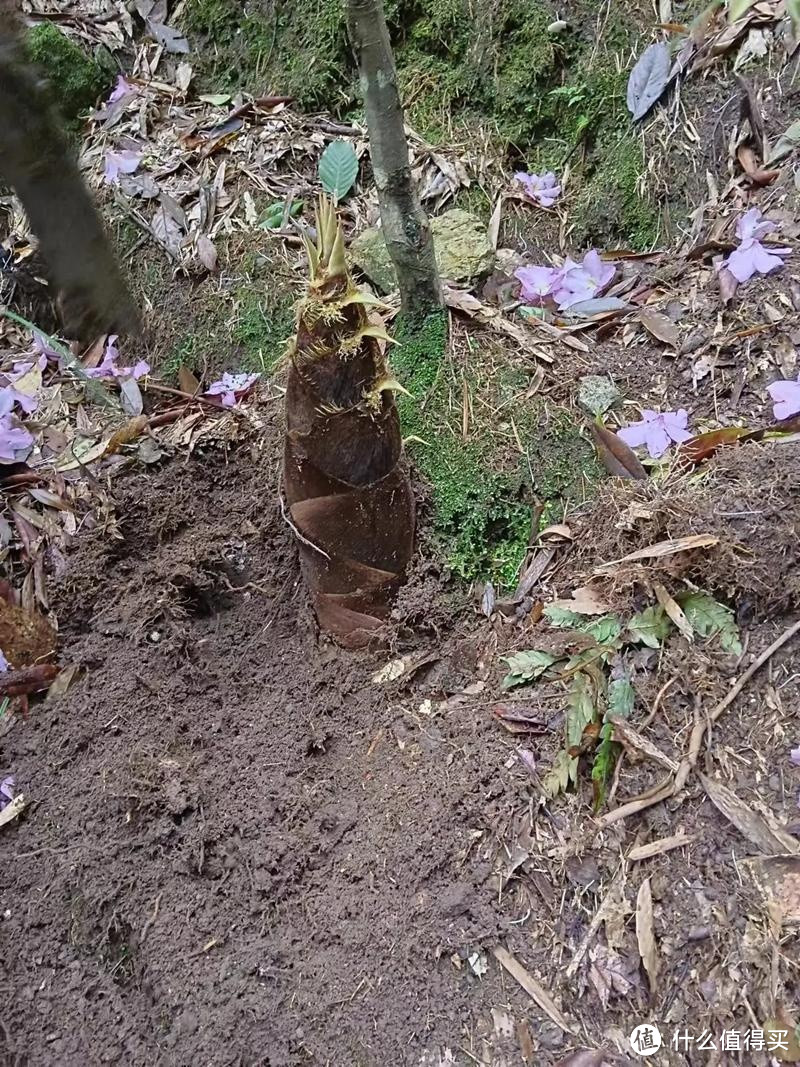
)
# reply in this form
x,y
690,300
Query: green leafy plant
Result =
x,y
338,169
711,619
273,216
600,688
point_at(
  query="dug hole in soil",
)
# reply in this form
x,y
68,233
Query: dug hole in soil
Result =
x,y
239,848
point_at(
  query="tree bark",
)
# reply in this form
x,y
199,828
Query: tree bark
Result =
x,y
36,162
405,225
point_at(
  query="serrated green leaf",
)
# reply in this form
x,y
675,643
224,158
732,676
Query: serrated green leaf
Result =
x,y
338,168
603,630
217,99
564,618
557,778
710,618
581,710
621,698
793,11
650,626
526,667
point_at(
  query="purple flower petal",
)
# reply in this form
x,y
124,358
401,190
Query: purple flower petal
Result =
x,y
13,439
537,282
541,189
786,397
3,663
657,430
598,270
675,423
658,440
576,285
766,260
753,226
634,435
229,385
123,162
741,262
122,88
6,791
794,756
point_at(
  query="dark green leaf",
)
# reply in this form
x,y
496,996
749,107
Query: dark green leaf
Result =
x,y
525,667
338,168
710,618
621,697
650,626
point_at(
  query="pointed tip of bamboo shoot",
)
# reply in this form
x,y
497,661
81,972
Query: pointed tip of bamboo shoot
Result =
x,y
337,264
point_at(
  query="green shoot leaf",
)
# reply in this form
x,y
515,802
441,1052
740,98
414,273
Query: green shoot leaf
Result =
x,y
526,667
710,618
338,168
650,627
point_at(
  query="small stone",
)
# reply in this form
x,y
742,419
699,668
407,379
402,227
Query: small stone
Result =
x,y
463,250
597,393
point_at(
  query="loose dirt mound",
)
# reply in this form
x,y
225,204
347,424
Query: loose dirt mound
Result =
x,y
742,497
239,848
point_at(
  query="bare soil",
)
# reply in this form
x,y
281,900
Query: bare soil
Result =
x,y
242,849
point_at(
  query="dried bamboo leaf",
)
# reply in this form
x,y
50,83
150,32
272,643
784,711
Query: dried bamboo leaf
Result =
x,y
645,935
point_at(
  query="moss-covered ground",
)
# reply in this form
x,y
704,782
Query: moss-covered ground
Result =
x,y
75,80
494,457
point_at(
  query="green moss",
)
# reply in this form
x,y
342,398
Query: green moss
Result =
x,y
612,204
299,48
481,489
75,80
262,329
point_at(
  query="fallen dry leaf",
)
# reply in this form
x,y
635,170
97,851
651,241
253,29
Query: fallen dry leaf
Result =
x,y
673,610
532,987
584,601
126,434
664,548
13,809
778,879
748,822
656,848
661,327
645,934
617,458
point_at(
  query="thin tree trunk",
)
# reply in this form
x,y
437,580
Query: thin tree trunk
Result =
x,y
405,225
36,162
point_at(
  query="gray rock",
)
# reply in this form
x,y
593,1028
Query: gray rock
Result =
x,y
463,251
597,393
